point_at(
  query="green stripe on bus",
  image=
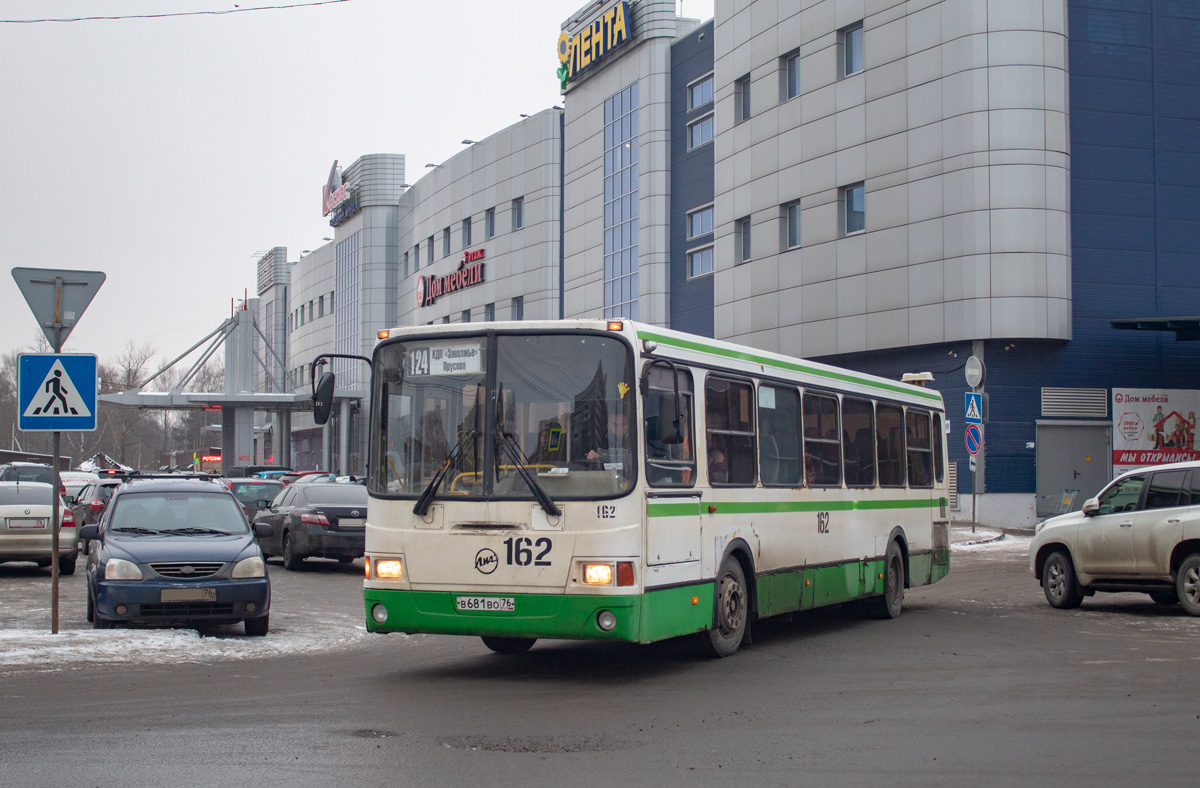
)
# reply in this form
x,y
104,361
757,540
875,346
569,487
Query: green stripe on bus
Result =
x,y
784,507
843,377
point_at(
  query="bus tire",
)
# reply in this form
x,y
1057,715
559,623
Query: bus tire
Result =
x,y
508,645
731,609
891,602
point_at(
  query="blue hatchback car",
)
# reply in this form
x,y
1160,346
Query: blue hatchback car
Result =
x,y
175,553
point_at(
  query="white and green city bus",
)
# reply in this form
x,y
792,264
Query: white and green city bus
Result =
x,y
611,480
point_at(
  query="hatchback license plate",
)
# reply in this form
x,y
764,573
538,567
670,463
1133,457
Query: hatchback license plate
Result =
x,y
188,595
499,604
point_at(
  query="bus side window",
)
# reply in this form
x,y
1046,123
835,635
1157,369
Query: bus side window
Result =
x,y
779,435
889,436
919,448
939,458
729,424
858,441
822,446
669,464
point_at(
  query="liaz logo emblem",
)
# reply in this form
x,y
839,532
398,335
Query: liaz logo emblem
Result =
x,y
486,561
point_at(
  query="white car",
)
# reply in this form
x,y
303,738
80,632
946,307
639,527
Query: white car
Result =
x,y
25,530
1141,533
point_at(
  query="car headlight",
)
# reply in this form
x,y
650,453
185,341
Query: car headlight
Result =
x,y
250,567
120,569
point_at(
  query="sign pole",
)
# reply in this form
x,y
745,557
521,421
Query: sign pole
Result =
x,y
57,298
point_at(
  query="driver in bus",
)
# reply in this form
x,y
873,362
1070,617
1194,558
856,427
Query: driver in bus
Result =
x,y
616,443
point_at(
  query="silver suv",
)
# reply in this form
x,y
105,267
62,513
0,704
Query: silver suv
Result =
x,y
1141,533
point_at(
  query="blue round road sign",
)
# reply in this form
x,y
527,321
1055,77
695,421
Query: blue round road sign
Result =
x,y
974,438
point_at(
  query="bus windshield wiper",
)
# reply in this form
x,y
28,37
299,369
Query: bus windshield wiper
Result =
x,y
509,444
430,490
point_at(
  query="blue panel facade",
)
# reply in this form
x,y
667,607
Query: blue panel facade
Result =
x,y
1135,226
691,183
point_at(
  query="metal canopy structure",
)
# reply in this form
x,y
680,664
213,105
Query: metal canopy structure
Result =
x,y
1187,329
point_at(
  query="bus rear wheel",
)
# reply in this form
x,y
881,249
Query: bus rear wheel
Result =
x,y
509,645
732,609
891,602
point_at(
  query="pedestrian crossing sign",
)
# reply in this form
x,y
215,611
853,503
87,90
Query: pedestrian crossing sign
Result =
x,y
56,392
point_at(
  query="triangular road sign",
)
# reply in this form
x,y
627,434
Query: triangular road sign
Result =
x,y
57,396
57,298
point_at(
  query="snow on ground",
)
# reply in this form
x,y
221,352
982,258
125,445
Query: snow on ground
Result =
x,y
38,649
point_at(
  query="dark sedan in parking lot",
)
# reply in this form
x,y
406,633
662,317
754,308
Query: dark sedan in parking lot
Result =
x,y
324,520
177,553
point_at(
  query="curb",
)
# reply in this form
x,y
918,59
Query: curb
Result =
x,y
980,537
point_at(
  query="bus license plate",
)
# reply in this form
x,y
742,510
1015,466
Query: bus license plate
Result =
x,y
498,604
188,595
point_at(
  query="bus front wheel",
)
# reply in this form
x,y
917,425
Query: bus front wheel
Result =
x,y
732,609
509,645
891,602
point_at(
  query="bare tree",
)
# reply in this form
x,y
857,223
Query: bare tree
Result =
x,y
126,425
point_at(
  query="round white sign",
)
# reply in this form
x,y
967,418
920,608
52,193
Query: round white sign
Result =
x,y
974,372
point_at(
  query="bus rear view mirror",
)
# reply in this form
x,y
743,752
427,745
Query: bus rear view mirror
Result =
x,y
323,398
668,420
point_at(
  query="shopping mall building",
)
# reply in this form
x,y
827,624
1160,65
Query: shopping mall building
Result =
x,y
885,185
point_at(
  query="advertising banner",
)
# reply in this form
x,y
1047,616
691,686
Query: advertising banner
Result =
x,y
1153,426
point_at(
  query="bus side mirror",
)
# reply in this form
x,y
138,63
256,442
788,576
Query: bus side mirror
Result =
x,y
667,424
323,398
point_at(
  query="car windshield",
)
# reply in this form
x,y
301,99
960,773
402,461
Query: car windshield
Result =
x,y
251,494
557,409
179,512
349,494
28,473
14,494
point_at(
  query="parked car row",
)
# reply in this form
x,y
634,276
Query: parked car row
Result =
x,y
175,550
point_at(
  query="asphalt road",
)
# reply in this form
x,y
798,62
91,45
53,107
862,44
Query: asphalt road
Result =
x,y
979,682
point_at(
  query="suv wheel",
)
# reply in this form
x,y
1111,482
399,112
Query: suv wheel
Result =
x,y
1059,583
1187,583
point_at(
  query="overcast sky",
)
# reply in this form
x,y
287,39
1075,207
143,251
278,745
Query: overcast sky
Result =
x,y
169,153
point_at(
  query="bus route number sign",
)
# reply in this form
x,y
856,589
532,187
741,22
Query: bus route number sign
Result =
x,y
445,359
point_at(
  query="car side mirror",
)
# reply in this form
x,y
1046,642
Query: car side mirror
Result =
x,y
69,500
89,532
1091,506
323,398
264,504
264,530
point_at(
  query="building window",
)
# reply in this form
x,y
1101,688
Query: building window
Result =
x,y
446,242
700,132
416,257
466,232
404,269
466,315
518,213
321,300
741,239
851,40
429,251
700,262
331,302
854,208
789,75
700,222
310,310
489,312
789,217
489,223
518,308
347,327
621,207
445,318
700,93
741,99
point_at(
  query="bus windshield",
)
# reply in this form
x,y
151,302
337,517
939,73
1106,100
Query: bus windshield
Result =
x,y
501,409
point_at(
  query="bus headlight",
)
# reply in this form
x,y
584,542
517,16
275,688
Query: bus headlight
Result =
x,y
390,569
598,574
